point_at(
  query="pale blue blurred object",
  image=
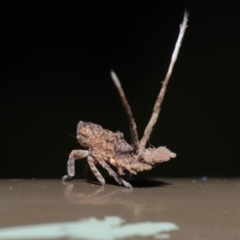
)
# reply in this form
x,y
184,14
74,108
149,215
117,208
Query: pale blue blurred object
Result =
x,y
109,228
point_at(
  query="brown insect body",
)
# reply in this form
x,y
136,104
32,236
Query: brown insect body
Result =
x,y
113,148
107,148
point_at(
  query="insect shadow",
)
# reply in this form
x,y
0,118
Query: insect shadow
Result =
x,y
136,181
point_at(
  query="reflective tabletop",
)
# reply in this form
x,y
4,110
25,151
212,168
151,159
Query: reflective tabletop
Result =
x,y
194,209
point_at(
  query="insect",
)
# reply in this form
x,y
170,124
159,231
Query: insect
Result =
x,y
110,149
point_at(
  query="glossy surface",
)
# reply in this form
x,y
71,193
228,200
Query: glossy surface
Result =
x,y
195,208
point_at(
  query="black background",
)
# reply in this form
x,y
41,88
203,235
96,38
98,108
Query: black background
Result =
x,y
55,71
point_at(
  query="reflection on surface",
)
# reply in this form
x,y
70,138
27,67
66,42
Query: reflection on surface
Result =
x,y
93,197
120,198
109,228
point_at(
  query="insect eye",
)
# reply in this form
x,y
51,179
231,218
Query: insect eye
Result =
x,y
84,131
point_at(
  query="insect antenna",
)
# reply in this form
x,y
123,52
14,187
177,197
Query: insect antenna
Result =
x,y
71,135
132,124
158,103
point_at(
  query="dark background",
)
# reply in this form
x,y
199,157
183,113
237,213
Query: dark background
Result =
x,y
55,72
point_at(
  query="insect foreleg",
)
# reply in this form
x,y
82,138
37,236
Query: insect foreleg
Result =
x,y
74,155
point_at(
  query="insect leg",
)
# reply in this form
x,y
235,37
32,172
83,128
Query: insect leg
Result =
x,y
117,178
110,171
74,155
95,171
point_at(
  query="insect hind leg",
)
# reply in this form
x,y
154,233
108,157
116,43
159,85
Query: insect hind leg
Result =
x,y
117,178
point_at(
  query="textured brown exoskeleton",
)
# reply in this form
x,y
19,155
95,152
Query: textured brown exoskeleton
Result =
x,y
111,149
